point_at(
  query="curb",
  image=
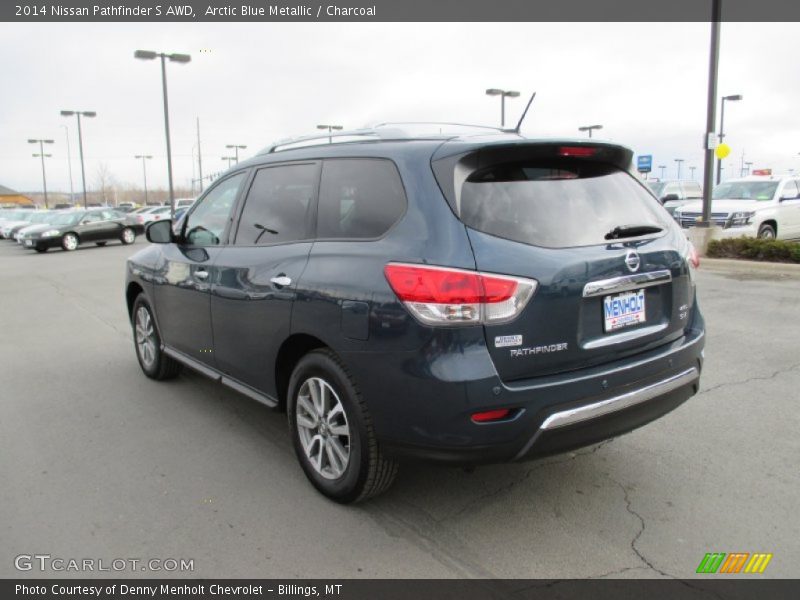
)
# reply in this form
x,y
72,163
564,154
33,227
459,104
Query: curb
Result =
x,y
756,267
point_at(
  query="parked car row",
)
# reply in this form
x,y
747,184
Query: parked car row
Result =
x,y
67,229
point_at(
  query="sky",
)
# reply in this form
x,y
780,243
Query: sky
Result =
x,y
251,84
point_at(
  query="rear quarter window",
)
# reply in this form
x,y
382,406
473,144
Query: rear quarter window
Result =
x,y
359,198
556,203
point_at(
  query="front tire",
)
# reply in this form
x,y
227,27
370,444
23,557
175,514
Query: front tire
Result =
x,y
147,341
332,431
69,242
766,232
127,236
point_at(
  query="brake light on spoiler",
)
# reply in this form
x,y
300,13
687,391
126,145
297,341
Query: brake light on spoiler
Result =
x,y
577,151
445,296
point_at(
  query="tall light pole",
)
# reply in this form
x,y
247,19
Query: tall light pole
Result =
x,y
229,159
691,173
330,129
747,165
589,128
679,161
79,114
42,155
663,168
734,98
235,148
199,158
144,157
503,95
69,166
178,58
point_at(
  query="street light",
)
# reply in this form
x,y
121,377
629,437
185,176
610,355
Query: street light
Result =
x,y
589,128
79,114
143,158
229,159
179,58
503,95
691,173
733,98
42,155
663,168
330,129
69,166
679,161
236,151
747,165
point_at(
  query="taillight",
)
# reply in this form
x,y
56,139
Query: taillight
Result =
x,y
693,257
442,296
577,151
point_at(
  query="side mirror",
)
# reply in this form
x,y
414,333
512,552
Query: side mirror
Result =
x,y
159,232
669,198
787,197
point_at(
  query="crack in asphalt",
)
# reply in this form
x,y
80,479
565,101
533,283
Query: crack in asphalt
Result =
x,y
642,557
773,375
480,500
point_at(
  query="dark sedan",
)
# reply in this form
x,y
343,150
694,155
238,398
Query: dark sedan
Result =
x,y
69,230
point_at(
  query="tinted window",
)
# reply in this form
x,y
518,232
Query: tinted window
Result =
x,y
206,224
359,198
745,190
92,217
276,209
790,190
556,203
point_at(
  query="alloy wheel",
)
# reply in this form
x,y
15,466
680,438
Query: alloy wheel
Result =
x,y
128,236
70,242
323,428
145,336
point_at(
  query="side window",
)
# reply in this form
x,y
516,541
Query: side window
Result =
x,y
790,190
92,217
359,198
206,224
692,190
276,208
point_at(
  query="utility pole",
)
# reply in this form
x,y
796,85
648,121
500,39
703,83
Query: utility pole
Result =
x,y
711,116
199,157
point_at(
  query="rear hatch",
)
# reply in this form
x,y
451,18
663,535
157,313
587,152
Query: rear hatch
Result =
x,y
610,263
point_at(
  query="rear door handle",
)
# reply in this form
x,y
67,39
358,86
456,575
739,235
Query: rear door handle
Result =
x,y
201,275
281,280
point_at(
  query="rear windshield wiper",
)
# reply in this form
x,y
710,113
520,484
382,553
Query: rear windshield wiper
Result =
x,y
623,231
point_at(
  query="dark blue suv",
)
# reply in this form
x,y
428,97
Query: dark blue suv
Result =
x,y
465,298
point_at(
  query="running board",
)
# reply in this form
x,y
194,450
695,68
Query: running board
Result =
x,y
215,375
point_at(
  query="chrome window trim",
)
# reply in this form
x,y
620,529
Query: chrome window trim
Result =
x,y
626,283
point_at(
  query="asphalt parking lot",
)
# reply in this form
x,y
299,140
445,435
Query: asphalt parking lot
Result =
x,y
98,461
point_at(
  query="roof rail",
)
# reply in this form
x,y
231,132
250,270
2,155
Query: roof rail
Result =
x,y
381,131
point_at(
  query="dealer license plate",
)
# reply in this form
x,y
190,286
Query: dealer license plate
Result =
x,y
623,310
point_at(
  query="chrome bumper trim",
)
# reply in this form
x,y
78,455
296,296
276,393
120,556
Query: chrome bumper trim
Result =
x,y
604,407
626,283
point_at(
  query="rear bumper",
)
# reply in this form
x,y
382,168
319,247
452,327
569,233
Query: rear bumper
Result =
x,y
429,419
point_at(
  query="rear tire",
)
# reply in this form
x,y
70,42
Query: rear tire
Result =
x,y
766,232
332,431
147,341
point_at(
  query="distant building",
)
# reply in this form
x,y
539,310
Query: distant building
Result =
x,y
9,198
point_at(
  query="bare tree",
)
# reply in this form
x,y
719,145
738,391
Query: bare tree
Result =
x,y
104,182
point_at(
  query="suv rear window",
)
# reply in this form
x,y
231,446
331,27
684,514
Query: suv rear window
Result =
x,y
555,203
